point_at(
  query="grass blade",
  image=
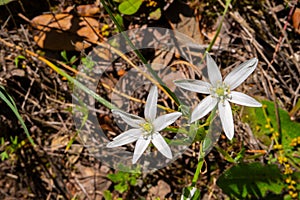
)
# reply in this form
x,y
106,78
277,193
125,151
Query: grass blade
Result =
x,y
11,104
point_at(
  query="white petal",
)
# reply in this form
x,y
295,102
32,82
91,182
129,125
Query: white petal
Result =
x,y
214,73
240,73
125,138
132,120
194,85
165,120
226,118
203,108
161,145
243,99
140,147
151,103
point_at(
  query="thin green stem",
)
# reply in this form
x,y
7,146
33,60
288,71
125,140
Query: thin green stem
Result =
x,y
199,166
219,27
211,44
87,90
138,53
201,153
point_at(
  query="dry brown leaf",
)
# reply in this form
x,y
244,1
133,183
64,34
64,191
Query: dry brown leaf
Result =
x,y
161,190
65,31
189,26
296,20
74,151
59,142
88,10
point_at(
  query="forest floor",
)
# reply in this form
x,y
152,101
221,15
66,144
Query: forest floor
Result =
x,y
60,165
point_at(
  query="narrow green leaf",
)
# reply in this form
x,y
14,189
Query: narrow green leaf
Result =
x,y
64,55
119,19
10,102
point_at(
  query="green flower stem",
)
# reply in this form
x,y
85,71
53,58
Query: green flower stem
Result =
x,y
219,27
211,44
199,166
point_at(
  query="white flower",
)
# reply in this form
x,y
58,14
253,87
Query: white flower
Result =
x,y
145,130
221,92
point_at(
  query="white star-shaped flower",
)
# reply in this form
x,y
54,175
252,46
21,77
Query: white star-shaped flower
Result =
x,y
220,92
145,130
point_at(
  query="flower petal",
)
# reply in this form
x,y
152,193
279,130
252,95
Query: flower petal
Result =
x,y
240,73
140,147
214,73
194,85
243,99
151,103
204,107
161,145
165,120
132,120
125,138
226,118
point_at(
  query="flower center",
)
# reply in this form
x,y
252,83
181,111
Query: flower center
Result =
x,y
221,91
148,129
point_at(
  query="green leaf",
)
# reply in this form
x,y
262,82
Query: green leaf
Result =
x,y
225,154
129,7
107,195
119,19
251,180
121,187
17,59
116,177
73,59
64,55
155,15
3,2
11,104
257,121
4,155
190,193
132,181
88,62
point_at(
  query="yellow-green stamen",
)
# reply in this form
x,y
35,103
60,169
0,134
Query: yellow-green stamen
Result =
x,y
221,92
148,129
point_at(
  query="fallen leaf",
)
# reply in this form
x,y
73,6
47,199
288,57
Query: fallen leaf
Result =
x,y
296,20
74,152
65,31
87,10
161,190
59,142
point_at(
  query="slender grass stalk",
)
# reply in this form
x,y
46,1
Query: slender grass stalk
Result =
x,y
11,104
63,73
138,53
76,83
